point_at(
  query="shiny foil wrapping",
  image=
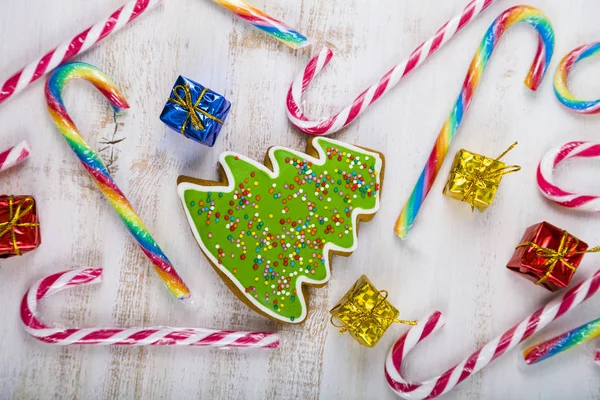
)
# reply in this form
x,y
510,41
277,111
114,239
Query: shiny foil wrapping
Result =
x,y
528,261
19,225
464,184
195,112
365,313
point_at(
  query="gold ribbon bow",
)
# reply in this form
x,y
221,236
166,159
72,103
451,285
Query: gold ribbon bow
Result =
x,y
478,180
14,215
192,108
364,315
555,256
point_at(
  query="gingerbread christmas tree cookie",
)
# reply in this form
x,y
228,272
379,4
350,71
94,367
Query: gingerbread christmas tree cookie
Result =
x,y
270,229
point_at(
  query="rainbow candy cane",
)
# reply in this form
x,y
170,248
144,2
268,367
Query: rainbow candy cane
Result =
x,y
442,384
530,15
561,77
98,171
560,343
265,23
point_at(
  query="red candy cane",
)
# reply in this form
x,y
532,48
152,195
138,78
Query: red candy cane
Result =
x,y
153,336
14,155
560,196
73,47
442,384
385,84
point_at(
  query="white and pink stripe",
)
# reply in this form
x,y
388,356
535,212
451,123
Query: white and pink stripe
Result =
x,y
152,336
74,46
560,196
14,155
442,384
352,111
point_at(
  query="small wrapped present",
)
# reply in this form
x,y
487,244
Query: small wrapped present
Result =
x,y
548,256
19,226
365,312
475,178
196,112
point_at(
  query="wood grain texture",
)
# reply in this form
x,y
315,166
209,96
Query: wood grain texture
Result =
x,y
454,260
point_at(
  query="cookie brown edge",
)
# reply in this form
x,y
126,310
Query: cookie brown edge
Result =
x,y
311,151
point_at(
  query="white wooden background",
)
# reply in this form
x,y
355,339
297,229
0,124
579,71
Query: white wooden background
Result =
x,y
454,260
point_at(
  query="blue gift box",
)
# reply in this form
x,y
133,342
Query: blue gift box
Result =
x,y
196,112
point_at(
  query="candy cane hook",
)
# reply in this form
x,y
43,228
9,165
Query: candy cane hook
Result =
x,y
551,160
442,384
352,111
561,77
152,336
537,20
98,171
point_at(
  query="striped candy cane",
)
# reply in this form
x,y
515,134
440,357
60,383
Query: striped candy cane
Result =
x,y
14,155
152,336
352,111
74,46
442,384
560,196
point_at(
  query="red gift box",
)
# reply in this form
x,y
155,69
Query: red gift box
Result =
x,y
19,226
548,256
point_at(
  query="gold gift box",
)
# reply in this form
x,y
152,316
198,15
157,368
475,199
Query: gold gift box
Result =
x,y
365,312
474,179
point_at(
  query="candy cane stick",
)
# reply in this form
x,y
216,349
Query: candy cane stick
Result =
x,y
152,336
74,46
561,89
14,155
439,385
580,202
265,23
560,343
352,111
545,50
98,171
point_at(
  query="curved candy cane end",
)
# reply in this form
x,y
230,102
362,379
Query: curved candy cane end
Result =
x,y
50,285
79,70
401,349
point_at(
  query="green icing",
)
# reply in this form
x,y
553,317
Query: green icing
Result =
x,y
268,232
